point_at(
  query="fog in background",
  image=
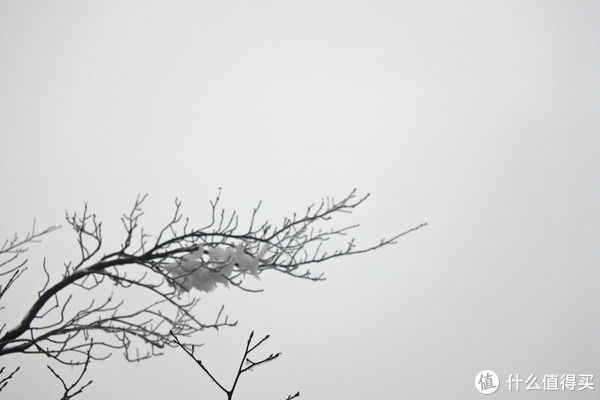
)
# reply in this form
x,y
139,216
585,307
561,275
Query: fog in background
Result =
x,y
480,118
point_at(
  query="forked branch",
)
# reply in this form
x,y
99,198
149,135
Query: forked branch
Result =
x,y
75,388
168,271
245,365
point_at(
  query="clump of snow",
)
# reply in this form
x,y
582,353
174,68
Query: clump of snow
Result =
x,y
205,273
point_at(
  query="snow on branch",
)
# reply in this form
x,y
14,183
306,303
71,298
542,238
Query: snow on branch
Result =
x,y
94,295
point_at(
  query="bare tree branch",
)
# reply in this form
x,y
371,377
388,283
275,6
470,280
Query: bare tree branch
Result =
x,y
245,365
166,272
4,381
70,391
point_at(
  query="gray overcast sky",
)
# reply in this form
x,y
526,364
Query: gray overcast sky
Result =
x,y
478,117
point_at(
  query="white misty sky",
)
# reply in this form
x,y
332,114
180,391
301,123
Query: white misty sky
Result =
x,y
480,118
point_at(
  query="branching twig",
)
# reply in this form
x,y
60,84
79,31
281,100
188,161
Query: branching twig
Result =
x,y
70,391
4,381
245,365
59,328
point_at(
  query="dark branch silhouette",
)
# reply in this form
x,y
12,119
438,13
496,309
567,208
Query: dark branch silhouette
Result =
x,y
293,396
70,391
4,380
246,364
131,299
